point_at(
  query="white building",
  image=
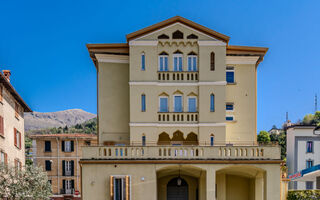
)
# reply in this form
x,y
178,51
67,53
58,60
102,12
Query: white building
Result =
x,y
303,152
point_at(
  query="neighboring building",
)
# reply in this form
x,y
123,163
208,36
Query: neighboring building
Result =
x,y
303,152
12,108
59,155
177,118
275,130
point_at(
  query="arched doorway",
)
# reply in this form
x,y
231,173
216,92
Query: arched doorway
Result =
x,y
177,189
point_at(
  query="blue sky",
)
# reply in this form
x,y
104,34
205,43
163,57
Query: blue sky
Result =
x,y
43,44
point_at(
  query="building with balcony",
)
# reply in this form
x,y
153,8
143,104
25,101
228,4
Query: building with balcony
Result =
x,y
12,108
177,119
59,155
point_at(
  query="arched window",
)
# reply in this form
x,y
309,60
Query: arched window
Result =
x,y
163,103
163,62
212,61
192,36
211,140
177,61
143,140
143,103
192,62
212,103
177,35
143,62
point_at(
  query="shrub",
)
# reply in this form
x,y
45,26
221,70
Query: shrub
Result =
x,y
304,195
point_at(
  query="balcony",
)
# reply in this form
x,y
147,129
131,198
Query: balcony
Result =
x,y
178,117
185,76
181,152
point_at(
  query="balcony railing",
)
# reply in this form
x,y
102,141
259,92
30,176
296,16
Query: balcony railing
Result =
x,y
178,117
184,76
181,152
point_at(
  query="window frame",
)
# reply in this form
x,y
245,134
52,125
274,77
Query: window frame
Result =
x,y
45,146
212,102
174,101
307,147
67,146
191,64
308,186
125,186
143,103
17,138
177,55
230,69
309,161
50,165
143,61
211,140
196,104
163,97
212,61
165,58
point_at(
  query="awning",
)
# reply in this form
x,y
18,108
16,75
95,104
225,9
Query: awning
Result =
x,y
309,174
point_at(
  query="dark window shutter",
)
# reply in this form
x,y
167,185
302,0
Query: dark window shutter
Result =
x,y
15,136
63,168
72,184
62,146
5,158
64,185
72,168
20,136
72,146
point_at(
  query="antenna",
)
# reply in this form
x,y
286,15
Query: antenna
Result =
x,y
287,116
315,103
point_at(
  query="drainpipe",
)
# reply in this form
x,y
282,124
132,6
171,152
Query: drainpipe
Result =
x,y
77,163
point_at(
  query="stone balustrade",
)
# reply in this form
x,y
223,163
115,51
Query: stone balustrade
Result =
x,y
181,152
184,76
177,117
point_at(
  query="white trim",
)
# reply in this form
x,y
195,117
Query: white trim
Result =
x,y
190,97
139,124
211,43
144,43
154,83
107,58
174,25
241,60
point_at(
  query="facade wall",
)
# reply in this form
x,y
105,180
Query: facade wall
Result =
x,y
7,111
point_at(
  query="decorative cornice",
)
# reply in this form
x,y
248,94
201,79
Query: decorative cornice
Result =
x,y
211,43
143,43
155,83
107,58
232,60
138,124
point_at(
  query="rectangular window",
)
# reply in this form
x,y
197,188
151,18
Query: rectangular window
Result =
x,y
163,63
309,185
67,146
192,63
229,118
212,103
1,126
47,146
309,147
229,107
309,163
177,62
68,186
143,103
120,187
48,165
192,104
2,157
177,103
163,104
212,140
143,62
230,74
17,138
68,168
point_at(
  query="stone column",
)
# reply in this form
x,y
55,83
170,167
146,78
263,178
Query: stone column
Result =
x,y
273,179
259,186
211,184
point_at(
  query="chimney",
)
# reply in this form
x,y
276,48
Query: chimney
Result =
x,y
7,74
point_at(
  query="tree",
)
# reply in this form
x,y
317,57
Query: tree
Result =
x,y
264,137
308,119
28,183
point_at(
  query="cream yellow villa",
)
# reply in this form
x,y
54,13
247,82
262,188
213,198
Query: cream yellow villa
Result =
x,y
177,119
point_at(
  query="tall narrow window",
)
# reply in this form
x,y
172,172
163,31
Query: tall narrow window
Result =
x,y
178,103
16,108
163,104
48,165
192,104
211,140
143,140
17,138
212,61
309,147
2,155
230,74
212,103
163,62
309,164
143,62
143,103
68,186
192,62
1,126
47,146
177,61
120,187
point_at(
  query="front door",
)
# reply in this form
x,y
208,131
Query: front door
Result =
x,y
177,192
